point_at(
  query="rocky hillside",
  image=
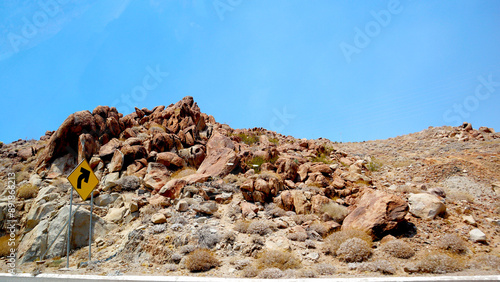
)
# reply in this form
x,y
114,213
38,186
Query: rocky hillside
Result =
x,y
180,193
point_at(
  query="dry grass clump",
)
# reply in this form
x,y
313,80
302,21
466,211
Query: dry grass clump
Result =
x,y
307,273
206,238
487,262
319,228
333,242
301,218
398,249
354,250
325,269
277,259
335,211
241,226
261,227
452,243
201,260
436,263
21,176
271,273
250,271
459,196
27,191
183,172
297,236
4,246
382,266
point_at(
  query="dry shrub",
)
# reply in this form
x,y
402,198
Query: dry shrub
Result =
x,y
354,250
250,271
158,249
18,167
241,226
319,227
335,211
436,263
307,273
27,191
4,246
277,259
301,218
333,242
453,243
201,260
206,238
297,236
459,196
271,273
183,172
21,176
487,262
261,227
325,269
398,249
382,266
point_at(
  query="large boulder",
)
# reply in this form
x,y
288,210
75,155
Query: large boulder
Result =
x,y
157,175
376,213
221,158
36,242
426,206
194,155
170,160
66,138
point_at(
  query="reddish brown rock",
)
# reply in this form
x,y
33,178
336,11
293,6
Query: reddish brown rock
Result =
x,y
117,161
87,146
248,208
172,189
376,213
317,203
194,155
288,167
156,176
221,158
170,160
107,151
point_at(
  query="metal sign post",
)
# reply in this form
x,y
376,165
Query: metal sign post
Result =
x,y
68,239
83,180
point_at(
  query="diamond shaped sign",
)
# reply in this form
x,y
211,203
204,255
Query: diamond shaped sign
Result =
x,y
83,179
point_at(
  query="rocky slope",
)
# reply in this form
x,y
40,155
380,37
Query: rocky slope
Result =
x,y
173,182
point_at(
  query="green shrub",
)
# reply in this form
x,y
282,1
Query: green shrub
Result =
x,y
398,249
201,260
322,158
248,139
274,141
277,259
27,191
354,250
333,242
374,165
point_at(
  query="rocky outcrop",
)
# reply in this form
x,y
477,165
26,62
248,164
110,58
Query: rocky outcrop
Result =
x,y
221,158
376,213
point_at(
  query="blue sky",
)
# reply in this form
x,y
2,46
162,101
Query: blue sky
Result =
x,y
343,70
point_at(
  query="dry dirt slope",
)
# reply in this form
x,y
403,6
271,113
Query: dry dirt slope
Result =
x,y
181,194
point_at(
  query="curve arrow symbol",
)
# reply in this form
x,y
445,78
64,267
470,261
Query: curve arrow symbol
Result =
x,y
84,176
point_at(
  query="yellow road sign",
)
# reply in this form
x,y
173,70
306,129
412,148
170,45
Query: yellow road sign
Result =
x,y
83,179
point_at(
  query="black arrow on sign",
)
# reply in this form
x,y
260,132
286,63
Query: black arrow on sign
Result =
x,y
84,176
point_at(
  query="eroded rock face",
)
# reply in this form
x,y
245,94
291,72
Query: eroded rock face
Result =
x,y
376,213
221,158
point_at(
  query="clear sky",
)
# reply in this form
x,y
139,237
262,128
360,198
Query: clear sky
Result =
x,y
343,70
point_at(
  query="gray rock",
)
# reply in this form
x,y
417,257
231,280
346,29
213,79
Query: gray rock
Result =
x,y
209,207
106,199
129,183
110,180
182,206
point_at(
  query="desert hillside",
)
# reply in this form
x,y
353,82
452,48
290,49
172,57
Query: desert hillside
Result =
x,y
181,194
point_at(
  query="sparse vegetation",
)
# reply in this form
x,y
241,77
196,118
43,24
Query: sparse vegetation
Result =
x,y
335,211
201,260
206,238
453,243
274,141
322,158
374,165
183,172
250,271
325,269
335,240
398,249
277,259
436,263
248,139
271,273
27,191
354,250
